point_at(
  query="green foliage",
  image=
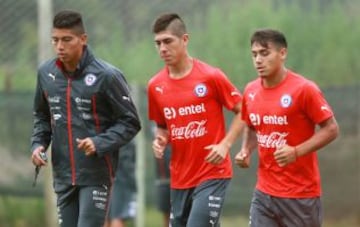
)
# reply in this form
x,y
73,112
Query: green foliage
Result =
x,y
318,47
137,62
23,72
322,38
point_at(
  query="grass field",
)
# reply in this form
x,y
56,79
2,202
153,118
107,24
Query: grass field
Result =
x,y
154,220
30,212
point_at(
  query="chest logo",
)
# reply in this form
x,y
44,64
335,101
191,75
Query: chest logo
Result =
x,y
90,79
252,96
285,101
52,76
159,89
200,90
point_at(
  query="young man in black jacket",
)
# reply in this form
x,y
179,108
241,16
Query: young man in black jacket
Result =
x,y
82,106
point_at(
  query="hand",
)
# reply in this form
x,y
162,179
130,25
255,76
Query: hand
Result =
x,y
242,158
158,146
285,155
35,157
217,153
86,145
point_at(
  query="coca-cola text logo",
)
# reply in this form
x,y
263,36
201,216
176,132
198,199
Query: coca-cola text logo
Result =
x,y
194,129
273,140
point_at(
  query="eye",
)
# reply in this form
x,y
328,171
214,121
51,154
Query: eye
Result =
x,y
264,53
167,41
66,39
54,40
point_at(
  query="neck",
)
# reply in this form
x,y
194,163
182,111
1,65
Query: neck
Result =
x,y
275,79
70,67
181,69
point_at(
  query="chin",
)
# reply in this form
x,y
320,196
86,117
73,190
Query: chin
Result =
x,y
169,63
262,75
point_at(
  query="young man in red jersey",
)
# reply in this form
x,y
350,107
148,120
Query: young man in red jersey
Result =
x,y
282,110
185,100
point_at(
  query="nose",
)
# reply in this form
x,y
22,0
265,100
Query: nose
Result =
x,y
258,58
59,45
162,47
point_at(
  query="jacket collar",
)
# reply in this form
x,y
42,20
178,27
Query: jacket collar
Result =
x,y
86,58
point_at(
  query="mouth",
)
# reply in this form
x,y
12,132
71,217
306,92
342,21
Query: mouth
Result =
x,y
61,55
260,69
165,57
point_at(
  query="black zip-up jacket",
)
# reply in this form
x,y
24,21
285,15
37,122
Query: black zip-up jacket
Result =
x,y
94,102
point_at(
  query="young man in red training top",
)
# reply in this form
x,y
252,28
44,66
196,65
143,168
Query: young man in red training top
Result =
x,y
282,109
185,100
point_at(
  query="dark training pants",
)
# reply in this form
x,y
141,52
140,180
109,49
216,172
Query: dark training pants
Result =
x,y
163,196
81,206
273,211
200,206
122,204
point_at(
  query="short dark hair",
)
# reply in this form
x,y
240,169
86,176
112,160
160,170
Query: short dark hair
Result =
x,y
69,19
266,35
171,21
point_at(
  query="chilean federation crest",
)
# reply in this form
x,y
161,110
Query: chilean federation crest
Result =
x,y
90,79
285,100
200,90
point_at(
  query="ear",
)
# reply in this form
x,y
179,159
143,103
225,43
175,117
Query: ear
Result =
x,y
283,53
185,38
83,38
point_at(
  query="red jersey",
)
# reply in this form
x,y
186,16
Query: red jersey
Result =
x,y
286,114
192,110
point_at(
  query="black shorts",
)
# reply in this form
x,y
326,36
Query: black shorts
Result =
x,y
200,206
81,206
270,211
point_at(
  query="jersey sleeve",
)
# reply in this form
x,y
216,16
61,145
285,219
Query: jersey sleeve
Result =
x,y
154,111
228,94
244,110
315,104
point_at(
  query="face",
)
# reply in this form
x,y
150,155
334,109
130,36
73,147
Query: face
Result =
x,y
68,45
268,61
171,48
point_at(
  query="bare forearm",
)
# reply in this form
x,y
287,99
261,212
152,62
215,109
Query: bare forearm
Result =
x,y
249,139
328,131
235,129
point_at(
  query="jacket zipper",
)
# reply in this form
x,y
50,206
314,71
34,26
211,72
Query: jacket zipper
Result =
x,y
70,136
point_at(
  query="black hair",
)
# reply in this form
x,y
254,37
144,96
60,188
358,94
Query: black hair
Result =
x,y
170,21
266,35
69,19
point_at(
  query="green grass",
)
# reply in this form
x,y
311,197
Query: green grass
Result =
x,y
21,212
30,212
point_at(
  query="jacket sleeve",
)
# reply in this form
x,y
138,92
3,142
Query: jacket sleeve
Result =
x,y
126,122
41,135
